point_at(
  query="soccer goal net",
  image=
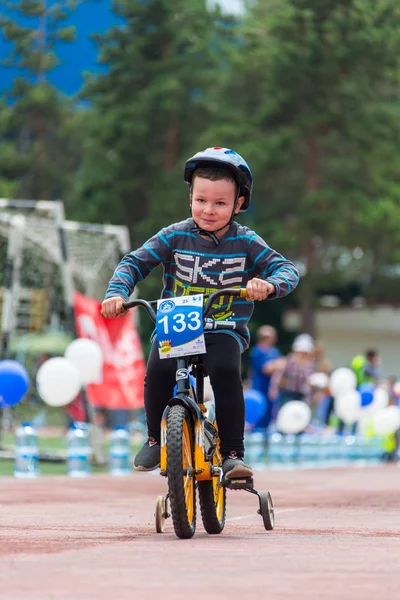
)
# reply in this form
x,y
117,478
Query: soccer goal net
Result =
x,y
44,258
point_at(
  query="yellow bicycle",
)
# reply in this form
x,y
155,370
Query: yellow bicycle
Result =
x,y
190,456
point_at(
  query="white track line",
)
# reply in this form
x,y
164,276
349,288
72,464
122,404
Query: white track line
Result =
x,y
276,512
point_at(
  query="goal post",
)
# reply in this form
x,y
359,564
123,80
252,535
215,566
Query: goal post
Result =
x,y
44,258
57,257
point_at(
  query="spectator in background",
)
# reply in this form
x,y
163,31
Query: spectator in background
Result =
x,y
367,367
394,390
292,378
264,360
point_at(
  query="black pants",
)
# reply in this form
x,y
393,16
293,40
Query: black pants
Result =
x,y
223,364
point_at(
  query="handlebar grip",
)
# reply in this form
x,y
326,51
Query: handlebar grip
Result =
x,y
124,310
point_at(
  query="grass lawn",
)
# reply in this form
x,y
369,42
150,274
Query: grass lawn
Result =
x,y
48,444
45,442
45,468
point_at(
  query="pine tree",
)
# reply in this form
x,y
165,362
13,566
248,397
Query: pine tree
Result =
x,y
35,121
314,88
149,110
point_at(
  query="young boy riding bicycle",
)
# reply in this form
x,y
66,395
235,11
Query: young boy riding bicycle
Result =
x,y
204,253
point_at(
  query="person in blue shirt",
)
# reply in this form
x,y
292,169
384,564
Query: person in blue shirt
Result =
x,y
263,363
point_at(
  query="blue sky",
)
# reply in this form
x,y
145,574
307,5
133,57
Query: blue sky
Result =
x,y
230,6
92,16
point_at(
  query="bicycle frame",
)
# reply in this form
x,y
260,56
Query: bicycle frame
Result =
x,y
195,406
196,409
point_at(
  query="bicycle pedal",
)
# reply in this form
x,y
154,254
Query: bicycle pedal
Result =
x,y
239,483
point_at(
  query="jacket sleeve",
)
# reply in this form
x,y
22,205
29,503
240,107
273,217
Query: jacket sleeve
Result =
x,y
136,265
272,266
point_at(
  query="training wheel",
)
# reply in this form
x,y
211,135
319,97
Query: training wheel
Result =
x,y
267,510
160,514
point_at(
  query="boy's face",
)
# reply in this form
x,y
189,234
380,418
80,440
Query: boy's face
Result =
x,y
212,203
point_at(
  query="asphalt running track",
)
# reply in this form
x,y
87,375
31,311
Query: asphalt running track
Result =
x,y
337,537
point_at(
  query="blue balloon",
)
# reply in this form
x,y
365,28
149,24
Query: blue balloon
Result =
x,y
255,404
14,382
367,393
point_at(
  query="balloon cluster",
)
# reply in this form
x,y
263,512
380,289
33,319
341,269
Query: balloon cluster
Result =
x,y
60,379
354,403
293,417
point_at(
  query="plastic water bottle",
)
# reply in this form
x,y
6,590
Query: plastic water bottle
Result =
x,y
350,450
275,448
308,449
26,452
255,447
120,451
289,449
78,450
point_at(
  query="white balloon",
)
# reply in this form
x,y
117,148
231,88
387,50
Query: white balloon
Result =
x,y
293,417
87,357
342,379
318,380
386,420
58,381
381,400
347,405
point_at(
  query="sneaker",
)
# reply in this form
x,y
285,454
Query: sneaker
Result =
x,y
148,457
234,467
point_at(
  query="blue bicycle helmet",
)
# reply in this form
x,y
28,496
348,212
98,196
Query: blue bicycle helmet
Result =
x,y
228,159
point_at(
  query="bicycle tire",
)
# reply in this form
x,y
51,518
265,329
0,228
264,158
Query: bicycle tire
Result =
x,y
267,511
159,514
212,498
181,484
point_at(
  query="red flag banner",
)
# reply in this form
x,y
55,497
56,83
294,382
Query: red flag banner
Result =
x,y
124,365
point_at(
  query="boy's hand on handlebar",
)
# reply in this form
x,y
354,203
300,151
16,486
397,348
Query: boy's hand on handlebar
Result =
x,y
259,289
113,307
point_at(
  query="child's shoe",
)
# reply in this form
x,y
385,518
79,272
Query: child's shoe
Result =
x,y
234,467
148,457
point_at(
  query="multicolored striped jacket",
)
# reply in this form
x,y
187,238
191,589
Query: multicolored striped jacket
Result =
x,y
193,265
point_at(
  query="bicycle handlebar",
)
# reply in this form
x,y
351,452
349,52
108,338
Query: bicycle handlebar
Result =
x,y
148,304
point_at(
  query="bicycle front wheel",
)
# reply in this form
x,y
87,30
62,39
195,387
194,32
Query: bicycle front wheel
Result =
x,y
180,471
212,498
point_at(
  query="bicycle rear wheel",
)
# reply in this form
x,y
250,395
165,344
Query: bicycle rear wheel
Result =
x,y
212,498
180,471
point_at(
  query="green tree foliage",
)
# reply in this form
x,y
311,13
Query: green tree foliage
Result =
x,y
38,129
305,90
313,90
148,112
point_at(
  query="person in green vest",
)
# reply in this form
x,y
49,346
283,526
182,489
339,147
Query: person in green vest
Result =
x,y
367,370
367,367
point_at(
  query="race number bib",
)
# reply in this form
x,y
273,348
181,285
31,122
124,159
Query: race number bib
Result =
x,y
179,326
